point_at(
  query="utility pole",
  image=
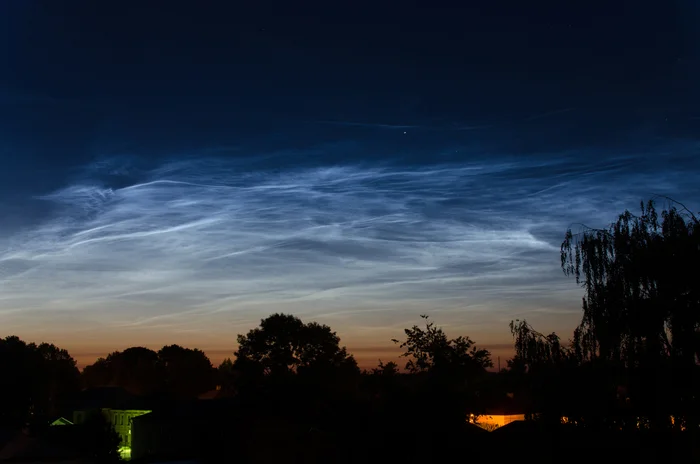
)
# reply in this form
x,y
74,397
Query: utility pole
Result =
x,y
499,364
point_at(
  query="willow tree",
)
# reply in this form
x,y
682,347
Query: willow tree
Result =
x,y
534,350
539,370
641,307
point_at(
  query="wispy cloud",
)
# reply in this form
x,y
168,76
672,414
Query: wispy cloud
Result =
x,y
403,127
195,242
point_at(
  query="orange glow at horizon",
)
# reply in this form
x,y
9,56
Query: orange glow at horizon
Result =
x,y
367,357
368,344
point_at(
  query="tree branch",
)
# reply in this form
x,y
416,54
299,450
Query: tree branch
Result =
x,y
684,208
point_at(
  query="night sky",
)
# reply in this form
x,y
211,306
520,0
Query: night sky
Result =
x,y
172,172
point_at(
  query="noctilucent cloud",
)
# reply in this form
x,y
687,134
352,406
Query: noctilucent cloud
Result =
x,y
175,185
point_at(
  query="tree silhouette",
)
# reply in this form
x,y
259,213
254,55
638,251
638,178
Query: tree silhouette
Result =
x,y
388,369
181,372
61,378
547,373
99,440
534,350
284,345
453,372
188,372
138,370
36,381
641,309
429,350
226,375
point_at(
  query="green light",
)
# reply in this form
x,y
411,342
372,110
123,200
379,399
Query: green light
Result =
x,y
125,452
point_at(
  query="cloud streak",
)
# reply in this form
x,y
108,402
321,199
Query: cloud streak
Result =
x,y
191,244
403,127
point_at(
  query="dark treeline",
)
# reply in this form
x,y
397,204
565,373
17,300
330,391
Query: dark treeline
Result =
x,y
177,371
626,382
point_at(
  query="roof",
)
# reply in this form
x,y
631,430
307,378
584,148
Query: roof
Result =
x,y
61,421
190,410
110,398
473,428
523,429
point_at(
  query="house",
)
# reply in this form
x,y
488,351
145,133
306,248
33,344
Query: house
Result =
x,y
61,421
120,419
495,418
180,430
117,406
223,430
503,411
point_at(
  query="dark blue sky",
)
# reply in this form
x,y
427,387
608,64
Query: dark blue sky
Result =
x,y
179,169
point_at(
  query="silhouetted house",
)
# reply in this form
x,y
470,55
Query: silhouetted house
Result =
x,y
181,430
226,430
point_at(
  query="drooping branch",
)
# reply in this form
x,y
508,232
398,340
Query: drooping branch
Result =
x,y
637,280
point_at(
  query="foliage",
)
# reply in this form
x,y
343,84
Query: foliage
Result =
x,y
100,440
226,375
539,372
284,345
37,381
452,371
534,350
181,372
188,372
641,309
388,369
429,350
137,370
640,275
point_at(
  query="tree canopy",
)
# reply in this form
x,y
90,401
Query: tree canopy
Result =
x,y
641,307
37,381
284,345
187,372
429,350
640,276
452,371
99,440
533,350
181,372
137,370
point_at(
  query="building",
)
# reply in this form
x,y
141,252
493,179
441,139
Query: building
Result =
x,y
120,419
494,419
183,429
117,406
502,411
61,421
